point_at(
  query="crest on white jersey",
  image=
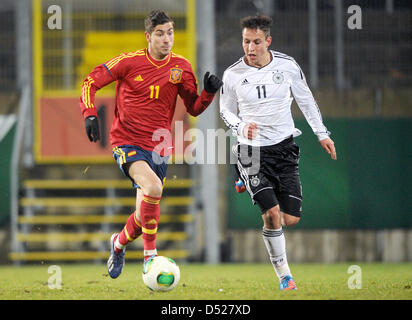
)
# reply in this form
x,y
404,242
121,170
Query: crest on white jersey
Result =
x,y
278,78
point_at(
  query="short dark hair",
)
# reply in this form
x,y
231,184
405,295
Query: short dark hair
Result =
x,y
155,18
257,22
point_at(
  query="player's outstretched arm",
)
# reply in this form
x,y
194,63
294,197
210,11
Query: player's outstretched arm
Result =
x,y
196,104
329,147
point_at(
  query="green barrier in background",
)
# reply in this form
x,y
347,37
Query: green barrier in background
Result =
x,y
6,147
368,187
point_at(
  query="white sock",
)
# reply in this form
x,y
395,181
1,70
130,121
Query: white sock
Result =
x,y
276,245
148,253
117,244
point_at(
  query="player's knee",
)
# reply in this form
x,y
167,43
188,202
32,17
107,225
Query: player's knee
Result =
x,y
272,217
152,189
155,190
274,213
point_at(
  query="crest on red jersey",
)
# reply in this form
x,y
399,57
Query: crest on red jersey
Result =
x,y
175,75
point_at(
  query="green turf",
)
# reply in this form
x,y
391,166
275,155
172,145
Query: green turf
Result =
x,y
205,282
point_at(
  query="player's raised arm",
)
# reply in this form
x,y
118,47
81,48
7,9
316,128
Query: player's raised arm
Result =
x,y
196,104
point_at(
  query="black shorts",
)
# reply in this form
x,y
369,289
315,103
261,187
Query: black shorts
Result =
x,y
271,175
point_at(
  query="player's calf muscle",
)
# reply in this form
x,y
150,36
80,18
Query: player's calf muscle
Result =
x,y
289,220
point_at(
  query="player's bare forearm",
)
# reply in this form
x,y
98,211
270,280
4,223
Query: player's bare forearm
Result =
x,y
329,147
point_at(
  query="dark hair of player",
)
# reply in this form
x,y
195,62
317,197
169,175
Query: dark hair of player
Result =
x,y
257,22
155,18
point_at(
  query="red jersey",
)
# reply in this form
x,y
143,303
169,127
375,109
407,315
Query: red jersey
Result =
x,y
146,93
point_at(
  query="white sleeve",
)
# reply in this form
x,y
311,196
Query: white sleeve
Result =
x,y
229,107
308,105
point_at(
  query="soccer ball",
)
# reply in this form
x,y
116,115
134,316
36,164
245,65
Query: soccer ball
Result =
x,y
160,274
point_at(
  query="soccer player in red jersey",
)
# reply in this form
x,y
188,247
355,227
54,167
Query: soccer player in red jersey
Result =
x,y
148,82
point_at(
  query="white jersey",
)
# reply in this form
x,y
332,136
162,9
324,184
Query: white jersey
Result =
x,y
263,95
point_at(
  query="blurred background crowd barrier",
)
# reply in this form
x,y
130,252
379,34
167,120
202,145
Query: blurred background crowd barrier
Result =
x,y
61,197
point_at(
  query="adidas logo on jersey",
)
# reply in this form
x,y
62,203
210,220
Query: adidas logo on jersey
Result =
x,y
245,82
138,78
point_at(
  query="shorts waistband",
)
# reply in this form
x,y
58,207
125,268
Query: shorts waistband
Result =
x,y
282,143
286,141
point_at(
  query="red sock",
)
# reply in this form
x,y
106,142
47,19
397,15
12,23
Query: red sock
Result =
x,y
130,232
150,214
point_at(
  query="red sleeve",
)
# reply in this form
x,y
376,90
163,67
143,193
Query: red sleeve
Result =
x,y
100,76
194,103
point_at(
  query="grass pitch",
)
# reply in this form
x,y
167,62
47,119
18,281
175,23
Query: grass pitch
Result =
x,y
209,282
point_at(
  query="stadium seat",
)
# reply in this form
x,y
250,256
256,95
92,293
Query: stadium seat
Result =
x,y
59,223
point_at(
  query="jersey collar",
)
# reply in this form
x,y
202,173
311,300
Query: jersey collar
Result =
x,y
155,62
271,61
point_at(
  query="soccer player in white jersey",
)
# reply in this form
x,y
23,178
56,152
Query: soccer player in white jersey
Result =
x,y
255,102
